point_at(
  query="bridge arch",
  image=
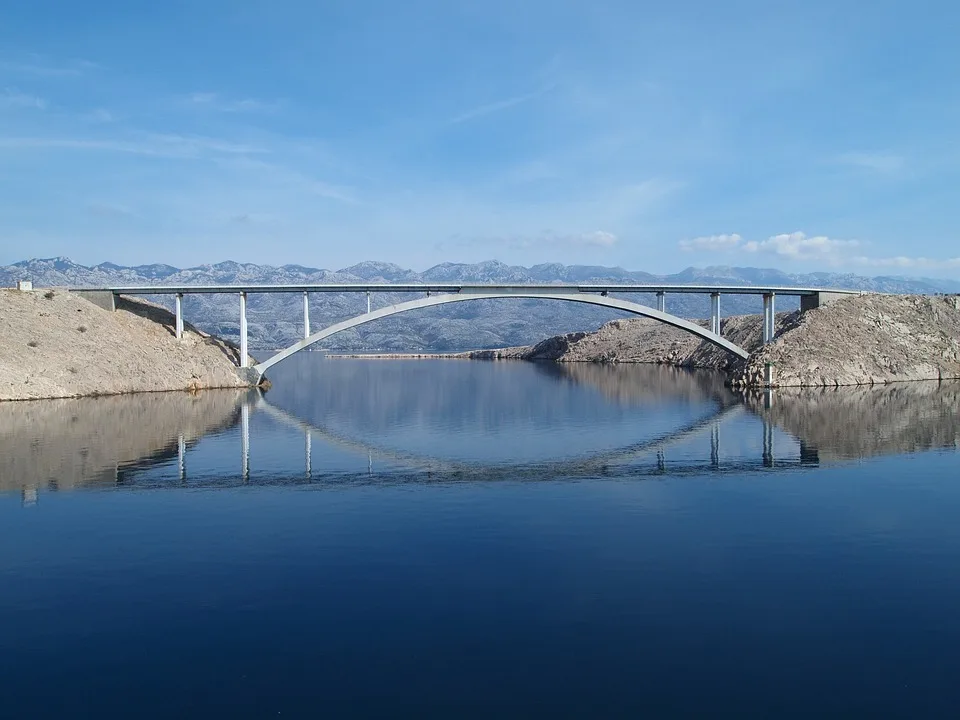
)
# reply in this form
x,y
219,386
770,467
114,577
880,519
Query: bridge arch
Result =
x,y
431,300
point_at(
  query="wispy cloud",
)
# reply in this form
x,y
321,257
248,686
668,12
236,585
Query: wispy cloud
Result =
x,y
219,103
499,105
545,239
293,179
170,146
901,261
713,243
38,66
99,115
885,163
12,97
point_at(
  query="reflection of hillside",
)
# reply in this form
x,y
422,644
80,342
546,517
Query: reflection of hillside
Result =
x,y
858,422
644,384
68,443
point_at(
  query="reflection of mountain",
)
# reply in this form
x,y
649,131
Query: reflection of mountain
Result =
x,y
67,443
377,395
859,422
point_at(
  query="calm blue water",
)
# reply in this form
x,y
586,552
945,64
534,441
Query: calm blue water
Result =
x,y
450,539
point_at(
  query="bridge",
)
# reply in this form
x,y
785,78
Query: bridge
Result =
x,y
429,295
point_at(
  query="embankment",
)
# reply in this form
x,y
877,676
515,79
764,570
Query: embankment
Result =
x,y
857,340
55,344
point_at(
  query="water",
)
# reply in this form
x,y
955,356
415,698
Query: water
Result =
x,y
448,539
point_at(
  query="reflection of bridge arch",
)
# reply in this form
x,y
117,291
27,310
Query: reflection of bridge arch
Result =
x,y
476,294
574,467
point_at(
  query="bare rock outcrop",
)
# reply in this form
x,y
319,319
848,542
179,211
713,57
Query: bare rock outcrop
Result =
x,y
55,344
863,340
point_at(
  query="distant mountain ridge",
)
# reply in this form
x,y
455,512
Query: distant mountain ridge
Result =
x,y
275,320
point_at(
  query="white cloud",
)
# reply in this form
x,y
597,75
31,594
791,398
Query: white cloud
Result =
x,y
797,246
712,243
11,97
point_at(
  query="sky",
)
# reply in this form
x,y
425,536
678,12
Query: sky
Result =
x,y
815,135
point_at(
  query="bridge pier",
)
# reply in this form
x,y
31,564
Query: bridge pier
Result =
x,y
243,330
179,323
368,302
661,302
715,313
769,318
306,314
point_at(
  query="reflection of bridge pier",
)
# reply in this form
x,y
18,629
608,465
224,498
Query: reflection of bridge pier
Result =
x,y
768,458
182,457
245,441
715,445
308,450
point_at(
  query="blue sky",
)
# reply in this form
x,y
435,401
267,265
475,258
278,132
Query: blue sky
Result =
x,y
800,135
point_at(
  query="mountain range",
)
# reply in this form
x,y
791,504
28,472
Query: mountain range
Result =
x,y
276,320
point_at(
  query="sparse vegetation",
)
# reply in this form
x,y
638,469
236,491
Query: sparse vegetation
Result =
x,y
33,343
49,294
82,329
73,370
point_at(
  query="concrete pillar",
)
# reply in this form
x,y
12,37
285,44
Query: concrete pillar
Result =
x,y
715,313
245,442
306,315
243,329
661,302
769,318
179,326
368,301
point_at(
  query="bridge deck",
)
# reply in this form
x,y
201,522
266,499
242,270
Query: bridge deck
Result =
x,y
462,288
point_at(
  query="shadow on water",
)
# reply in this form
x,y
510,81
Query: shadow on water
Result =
x,y
670,422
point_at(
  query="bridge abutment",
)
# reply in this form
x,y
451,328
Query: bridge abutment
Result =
x,y
818,299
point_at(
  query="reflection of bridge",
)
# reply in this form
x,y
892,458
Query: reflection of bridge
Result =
x,y
441,294
620,461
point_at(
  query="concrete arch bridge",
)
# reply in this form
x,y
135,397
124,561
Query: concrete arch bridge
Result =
x,y
442,294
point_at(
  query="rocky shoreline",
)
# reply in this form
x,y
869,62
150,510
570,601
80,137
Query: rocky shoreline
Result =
x,y
55,344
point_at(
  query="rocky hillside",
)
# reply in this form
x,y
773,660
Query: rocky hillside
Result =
x,y
866,340
858,340
642,341
56,344
275,320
